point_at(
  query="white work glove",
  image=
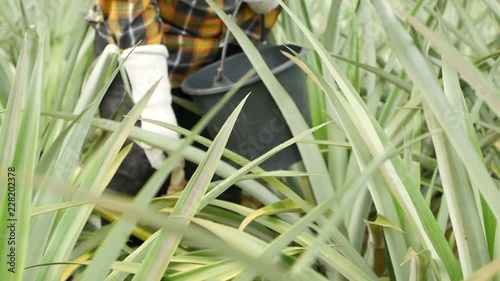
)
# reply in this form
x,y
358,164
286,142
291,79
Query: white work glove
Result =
x,y
262,6
144,66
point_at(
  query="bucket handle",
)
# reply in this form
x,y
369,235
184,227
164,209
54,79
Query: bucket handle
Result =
x,y
220,70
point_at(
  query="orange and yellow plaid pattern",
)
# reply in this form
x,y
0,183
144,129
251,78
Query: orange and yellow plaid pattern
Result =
x,y
190,29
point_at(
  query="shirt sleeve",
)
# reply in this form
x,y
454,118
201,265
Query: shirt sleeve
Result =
x,y
127,22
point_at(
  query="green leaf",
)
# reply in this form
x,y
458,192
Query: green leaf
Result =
x,y
165,245
384,222
487,272
18,156
419,264
458,191
60,159
284,206
358,137
484,88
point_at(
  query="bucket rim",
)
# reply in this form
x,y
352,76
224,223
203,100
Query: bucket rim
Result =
x,y
225,88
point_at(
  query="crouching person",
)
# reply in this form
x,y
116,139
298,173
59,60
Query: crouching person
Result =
x,y
176,38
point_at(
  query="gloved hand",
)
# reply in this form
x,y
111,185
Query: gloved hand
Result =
x,y
262,6
144,66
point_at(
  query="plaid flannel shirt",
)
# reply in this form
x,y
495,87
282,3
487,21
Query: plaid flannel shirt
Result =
x,y
190,29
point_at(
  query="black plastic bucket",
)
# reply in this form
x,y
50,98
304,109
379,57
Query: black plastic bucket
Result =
x,y
260,125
